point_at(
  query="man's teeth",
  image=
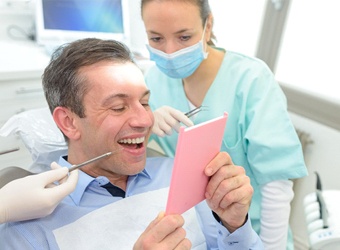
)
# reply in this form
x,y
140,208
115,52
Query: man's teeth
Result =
x,y
132,141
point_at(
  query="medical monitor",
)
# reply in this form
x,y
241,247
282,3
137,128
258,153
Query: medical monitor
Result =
x,y
63,21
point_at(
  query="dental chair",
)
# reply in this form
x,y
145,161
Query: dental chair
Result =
x,y
11,173
41,136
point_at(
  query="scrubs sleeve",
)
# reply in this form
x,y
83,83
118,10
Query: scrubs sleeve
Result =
x,y
150,80
163,90
151,77
272,145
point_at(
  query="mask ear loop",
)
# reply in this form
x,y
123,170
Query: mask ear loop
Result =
x,y
204,43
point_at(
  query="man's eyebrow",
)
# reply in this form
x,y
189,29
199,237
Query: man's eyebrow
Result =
x,y
109,99
147,92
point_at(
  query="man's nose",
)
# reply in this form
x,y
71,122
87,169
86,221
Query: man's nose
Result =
x,y
142,117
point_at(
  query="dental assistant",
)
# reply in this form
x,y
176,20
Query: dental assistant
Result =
x,y
191,71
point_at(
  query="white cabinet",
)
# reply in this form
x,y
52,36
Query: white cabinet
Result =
x,y
21,67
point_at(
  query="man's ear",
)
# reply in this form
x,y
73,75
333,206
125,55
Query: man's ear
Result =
x,y
65,120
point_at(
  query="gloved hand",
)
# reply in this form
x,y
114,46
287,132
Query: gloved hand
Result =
x,y
167,119
36,196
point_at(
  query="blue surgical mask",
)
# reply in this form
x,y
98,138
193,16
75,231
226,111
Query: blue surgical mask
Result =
x,y
181,63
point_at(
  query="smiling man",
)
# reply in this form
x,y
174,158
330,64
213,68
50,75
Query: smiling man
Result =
x,y
117,116
99,101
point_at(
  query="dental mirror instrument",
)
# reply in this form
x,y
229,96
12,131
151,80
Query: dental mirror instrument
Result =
x,y
73,167
194,111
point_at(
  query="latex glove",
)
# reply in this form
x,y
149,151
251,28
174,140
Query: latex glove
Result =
x,y
36,196
167,119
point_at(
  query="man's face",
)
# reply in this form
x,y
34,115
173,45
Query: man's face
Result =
x,y
118,117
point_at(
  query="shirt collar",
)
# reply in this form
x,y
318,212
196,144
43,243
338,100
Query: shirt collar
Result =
x,y
85,180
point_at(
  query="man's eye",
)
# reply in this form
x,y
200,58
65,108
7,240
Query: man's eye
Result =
x,y
118,110
144,101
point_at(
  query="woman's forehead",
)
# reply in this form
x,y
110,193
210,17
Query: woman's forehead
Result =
x,y
174,11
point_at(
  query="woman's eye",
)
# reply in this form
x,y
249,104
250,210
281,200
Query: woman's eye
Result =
x,y
185,38
155,39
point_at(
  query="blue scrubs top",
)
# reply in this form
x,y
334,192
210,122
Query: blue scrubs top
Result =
x,y
259,134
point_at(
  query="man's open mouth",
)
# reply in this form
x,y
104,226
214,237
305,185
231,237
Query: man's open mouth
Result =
x,y
132,142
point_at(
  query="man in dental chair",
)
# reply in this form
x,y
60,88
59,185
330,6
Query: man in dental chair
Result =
x,y
99,100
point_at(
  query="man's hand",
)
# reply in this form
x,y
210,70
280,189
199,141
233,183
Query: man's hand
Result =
x,y
165,232
167,119
228,192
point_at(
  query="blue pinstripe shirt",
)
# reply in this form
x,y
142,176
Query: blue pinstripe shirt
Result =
x,y
89,195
